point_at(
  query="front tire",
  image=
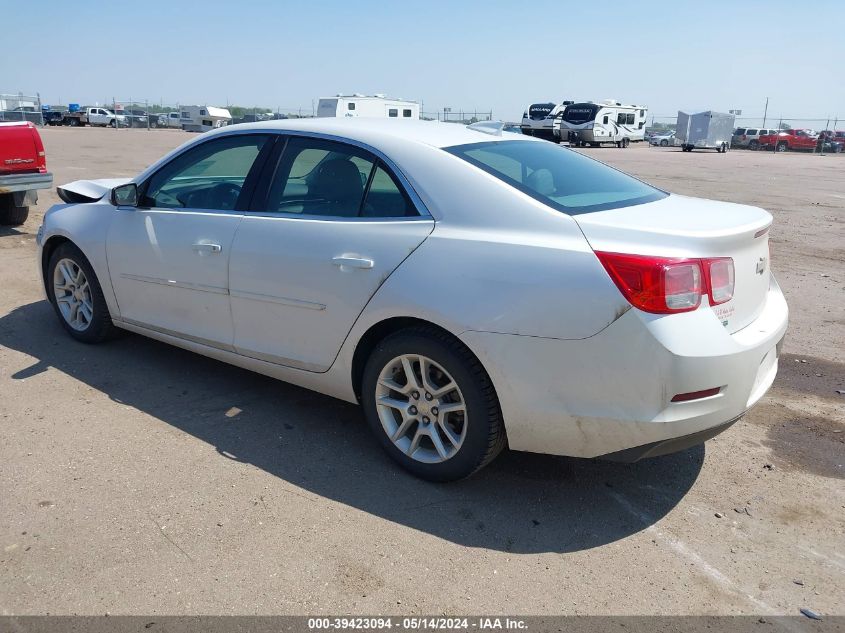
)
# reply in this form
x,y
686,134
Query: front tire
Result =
x,y
664,143
432,405
781,147
77,297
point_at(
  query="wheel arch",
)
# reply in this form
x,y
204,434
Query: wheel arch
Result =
x,y
381,330
50,246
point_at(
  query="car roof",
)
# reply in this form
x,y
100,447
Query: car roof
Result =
x,y
374,131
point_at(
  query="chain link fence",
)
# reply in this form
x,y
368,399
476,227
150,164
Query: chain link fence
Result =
x,y
457,116
21,107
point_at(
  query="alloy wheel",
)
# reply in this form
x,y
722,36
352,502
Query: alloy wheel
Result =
x,y
73,294
421,408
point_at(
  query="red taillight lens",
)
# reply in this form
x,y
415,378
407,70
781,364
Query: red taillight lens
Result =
x,y
656,284
720,279
664,285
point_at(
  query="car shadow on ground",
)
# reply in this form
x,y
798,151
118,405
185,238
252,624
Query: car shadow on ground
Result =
x,y
521,502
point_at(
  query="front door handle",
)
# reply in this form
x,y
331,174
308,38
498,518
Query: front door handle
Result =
x,y
205,247
353,262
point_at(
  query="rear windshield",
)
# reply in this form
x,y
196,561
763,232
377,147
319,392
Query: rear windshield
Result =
x,y
557,176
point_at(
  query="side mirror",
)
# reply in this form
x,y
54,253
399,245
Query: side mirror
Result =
x,y
125,195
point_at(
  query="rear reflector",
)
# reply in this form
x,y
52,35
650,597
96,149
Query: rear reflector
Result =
x,y
696,395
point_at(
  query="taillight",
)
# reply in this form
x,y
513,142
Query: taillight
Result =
x,y
719,273
665,285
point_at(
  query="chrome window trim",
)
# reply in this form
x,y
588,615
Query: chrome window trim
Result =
x,y
419,205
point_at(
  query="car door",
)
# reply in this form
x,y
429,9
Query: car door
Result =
x,y
168,258
334,223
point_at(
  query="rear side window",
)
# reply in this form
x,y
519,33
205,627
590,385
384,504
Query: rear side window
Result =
x,y
751,131
556,176
318,177
393,112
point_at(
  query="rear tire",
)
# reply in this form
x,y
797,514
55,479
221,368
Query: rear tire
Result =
x,y
474,420
83,312
10,215
664,143
625,143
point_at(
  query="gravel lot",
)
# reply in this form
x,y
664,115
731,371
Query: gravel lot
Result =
x,y
138,478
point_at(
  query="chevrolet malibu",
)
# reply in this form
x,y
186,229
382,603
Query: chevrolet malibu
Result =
x,y
470,288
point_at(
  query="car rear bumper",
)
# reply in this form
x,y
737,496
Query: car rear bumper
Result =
x,y
612,392
25,182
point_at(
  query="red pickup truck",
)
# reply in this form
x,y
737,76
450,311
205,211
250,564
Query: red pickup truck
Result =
x,y
789,140
23,170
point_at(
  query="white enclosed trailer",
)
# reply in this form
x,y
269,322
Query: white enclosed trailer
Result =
x,y
376,106
705,130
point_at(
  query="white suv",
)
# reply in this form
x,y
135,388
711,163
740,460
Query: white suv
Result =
x,y
749,137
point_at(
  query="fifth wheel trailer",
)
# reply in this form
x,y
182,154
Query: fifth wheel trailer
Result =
x,y
705,130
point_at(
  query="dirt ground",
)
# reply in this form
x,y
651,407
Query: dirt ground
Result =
x,y
130,485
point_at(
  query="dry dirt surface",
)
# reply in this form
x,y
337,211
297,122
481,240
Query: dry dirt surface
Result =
x,y
136,478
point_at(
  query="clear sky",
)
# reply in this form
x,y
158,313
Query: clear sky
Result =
x,y
468,55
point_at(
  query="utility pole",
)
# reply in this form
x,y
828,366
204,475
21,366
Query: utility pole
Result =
x,y
765,111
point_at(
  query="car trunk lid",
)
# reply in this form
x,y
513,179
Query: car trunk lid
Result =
x,y
678,226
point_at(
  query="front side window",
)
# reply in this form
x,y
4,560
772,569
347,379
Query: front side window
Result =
x,y
209,176
318,177
556,176
393,112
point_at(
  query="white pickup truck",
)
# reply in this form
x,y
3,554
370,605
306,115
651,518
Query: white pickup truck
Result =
x,y
95,116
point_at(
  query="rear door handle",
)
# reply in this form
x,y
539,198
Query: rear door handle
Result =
x,y
353,262
205,247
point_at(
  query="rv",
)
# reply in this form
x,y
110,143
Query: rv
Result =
x,y
203,118
376,106
538,119
605,122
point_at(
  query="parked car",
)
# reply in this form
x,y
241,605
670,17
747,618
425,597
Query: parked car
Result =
x,y
23,171
831,142
662,139
96,116
791,139
53,117
749,137
468,288
512,127
170,119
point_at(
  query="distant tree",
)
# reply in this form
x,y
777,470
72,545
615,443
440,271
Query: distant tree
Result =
x,y
784,126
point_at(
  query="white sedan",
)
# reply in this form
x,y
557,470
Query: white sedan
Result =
x,y
470,288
